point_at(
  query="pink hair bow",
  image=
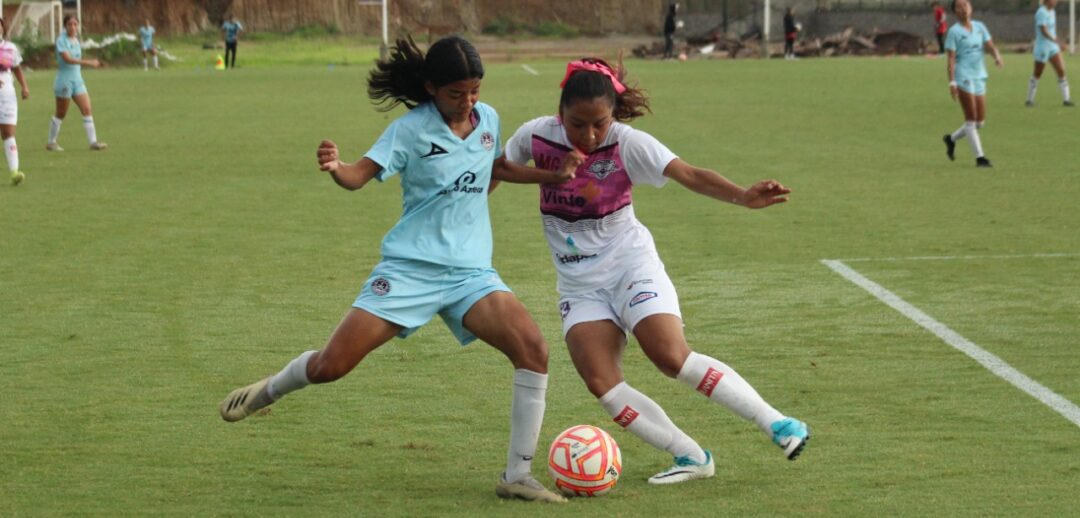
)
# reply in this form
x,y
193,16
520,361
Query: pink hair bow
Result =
x,y
593,65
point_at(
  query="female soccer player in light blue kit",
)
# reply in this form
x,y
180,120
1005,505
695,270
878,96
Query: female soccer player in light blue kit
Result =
x,y
967,77
1047,49
612,283
437,258
146,37
69,85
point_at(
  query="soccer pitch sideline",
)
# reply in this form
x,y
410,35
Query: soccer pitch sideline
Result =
x,y
204,250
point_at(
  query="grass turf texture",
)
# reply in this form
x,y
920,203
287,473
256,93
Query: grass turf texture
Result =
x,y
203,251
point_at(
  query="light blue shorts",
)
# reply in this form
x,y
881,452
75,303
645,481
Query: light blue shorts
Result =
x,y
409,293
972,86
66,88
1044,51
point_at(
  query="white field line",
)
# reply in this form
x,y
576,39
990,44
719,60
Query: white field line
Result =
x,y
530,70
992,363
957,257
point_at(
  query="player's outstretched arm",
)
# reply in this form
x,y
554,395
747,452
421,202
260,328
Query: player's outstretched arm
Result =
x,y
710,183
350,176
505,170
22,81
994,52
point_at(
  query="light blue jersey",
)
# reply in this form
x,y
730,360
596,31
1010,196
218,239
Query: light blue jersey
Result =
x,y
231,29
67,70
444,180
69,81
1045,48
968,46
146,34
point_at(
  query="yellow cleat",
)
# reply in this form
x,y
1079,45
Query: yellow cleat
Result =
x,y
17,177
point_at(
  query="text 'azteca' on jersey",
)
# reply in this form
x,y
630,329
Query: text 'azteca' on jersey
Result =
x,y
444,181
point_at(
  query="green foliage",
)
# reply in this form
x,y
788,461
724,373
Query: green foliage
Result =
x,y
555,30
204,250
505,26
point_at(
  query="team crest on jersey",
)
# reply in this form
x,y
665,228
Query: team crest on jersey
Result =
x,y
564,309
487,140
380,286
602,168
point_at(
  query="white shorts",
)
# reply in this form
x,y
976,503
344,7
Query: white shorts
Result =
x,y
640,292
9,108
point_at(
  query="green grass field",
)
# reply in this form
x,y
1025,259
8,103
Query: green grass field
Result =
x,y
204,250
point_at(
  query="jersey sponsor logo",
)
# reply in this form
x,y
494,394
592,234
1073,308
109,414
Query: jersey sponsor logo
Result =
x,y
564,309
570,200
709,381
576,258
602,168
487,140
626,417
642,297
435,150
464,184
637,282
380,286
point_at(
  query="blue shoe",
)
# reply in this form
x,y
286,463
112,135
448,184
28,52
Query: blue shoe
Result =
x,y
685,469
791,435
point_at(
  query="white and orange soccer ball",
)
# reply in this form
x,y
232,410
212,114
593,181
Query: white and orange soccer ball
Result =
x,y
585,461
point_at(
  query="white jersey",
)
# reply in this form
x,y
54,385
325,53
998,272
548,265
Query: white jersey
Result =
x,y
589,221
9,59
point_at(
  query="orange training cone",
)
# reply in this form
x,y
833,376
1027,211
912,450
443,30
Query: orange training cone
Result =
x,y
220,63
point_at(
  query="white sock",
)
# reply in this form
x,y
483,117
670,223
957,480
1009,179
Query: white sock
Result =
x,y
12,153
54,129
980,124
145,65
91,133
644,418
973,136
526,416
155,62
1033,83
1063,85
292,377
959,134
723,385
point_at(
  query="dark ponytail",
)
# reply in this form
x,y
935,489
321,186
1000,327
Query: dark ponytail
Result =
x,y
589,85
401,79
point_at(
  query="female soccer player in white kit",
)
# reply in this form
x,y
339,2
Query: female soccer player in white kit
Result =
x,y
437,258
1047,49
611,280
10,61
964,44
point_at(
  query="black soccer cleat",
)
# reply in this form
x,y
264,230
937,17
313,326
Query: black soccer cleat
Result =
x,y
950,146
982,162
1068,104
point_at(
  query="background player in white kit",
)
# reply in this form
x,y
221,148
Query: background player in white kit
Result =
x,y
610,277
10,59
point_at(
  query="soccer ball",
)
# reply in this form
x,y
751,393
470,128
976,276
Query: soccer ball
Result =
x,y
585,461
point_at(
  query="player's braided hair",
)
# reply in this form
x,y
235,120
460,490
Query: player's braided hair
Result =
x,y
588,85
401,79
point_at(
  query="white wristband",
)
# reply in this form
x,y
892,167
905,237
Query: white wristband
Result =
x,y
952,84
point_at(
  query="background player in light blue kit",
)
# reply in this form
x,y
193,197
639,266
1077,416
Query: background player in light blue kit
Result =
x,y
69,85
437,258
146,38
967,77
1047,48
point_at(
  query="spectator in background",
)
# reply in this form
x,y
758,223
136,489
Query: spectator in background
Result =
x,y
232,30
939,25
791,31
669,31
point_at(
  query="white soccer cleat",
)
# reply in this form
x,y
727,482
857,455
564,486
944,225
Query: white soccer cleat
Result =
x,y
245,401
526,489
685,469
98,146
53,146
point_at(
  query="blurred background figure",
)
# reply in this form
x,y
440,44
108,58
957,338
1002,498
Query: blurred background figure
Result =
x,y
939,25
669,31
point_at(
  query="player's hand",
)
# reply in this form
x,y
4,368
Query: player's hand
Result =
x,y
25,93
1000,63
328,156
94,63
954,91
763,194
570,163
